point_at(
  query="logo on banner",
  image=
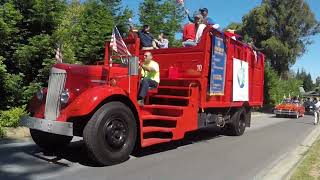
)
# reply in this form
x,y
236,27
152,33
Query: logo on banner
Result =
x,y
240,80
218,66
241,77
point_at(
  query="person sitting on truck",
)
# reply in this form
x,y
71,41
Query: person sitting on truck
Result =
x,y
162,41
207,19
150,76
147,39
132,34
199,27
189,32
252,44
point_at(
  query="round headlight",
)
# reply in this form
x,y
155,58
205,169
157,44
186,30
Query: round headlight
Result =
x,y
39,94
64,97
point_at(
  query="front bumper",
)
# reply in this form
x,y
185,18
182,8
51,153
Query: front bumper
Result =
x,y
55,127
286,112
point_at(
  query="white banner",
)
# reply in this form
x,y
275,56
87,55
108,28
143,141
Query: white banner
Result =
x,y
240,80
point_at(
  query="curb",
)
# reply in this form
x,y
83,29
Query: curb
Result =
x,y
14,135
284,167
6,141
258,114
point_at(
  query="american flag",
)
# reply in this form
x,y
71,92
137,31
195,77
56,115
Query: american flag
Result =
x,y
180,2
117,43
58,55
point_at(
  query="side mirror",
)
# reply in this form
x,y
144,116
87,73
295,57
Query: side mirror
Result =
x,y
133,66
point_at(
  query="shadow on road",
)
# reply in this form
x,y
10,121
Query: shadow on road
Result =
x,y
15,163
23,161
77,153
190,138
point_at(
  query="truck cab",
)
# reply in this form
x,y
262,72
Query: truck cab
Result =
x,y
215,83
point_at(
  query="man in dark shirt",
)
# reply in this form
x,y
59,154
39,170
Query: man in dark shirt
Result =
x,y
146,38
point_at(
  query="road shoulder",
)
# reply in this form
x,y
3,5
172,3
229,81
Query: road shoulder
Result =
x,y
286,164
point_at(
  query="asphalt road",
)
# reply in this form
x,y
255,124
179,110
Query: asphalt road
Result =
x,y
202,155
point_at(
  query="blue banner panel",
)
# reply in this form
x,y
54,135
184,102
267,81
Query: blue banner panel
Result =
x,y
218,67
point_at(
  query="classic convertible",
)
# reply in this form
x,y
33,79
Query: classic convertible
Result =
x,y
290,108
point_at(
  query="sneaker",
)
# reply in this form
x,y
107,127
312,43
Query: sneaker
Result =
x,y
140,102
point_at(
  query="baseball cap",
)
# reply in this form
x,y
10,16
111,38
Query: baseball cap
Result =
x,y
197,14
203,9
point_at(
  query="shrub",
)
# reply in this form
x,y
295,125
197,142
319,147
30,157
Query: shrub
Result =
x,y
10,118
2,133
276,88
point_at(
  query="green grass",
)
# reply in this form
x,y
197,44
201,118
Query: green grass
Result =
x,y
309,168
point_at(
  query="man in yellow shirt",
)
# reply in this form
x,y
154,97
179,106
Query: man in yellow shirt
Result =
x,y
150,76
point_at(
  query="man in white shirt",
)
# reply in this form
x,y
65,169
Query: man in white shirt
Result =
x,y
200,26
316,111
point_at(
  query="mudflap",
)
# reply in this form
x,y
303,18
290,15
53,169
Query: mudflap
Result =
x,y
248,117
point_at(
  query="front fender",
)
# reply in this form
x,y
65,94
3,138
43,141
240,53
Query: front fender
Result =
x,y
87,101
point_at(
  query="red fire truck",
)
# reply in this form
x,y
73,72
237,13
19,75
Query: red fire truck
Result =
x,y
215,83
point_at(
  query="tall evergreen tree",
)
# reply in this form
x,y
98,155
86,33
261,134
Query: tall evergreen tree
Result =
x,y
283,28
308,83
162,16
317,84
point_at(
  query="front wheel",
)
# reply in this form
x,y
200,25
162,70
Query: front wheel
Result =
x,y
110,134
48,141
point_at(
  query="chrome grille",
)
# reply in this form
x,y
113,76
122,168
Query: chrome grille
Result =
x,y
56,84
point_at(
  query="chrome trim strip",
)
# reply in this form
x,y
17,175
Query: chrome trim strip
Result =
x,y
286,112
99,81
55,127
56,70
56,85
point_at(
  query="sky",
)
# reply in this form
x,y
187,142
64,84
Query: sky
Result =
x,y
225,12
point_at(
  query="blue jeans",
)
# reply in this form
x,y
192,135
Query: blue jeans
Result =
x,y
189,44
144,87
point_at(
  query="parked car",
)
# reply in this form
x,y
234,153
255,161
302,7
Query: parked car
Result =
x,y
290,108
309,106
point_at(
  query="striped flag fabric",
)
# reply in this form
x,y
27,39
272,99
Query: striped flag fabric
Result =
x,y
117,43
58,55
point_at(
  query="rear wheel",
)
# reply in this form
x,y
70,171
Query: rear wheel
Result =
x,y
48,141
238,125
110,134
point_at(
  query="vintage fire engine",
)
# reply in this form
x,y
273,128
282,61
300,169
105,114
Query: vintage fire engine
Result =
x,y
215,83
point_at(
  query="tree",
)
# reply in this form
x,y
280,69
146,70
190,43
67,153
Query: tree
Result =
x,y
282,28
275,87
31,58
9,31
84,30
308,83
306,79
317,84
26,45
3,72
162,16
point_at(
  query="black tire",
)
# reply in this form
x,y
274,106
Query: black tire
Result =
x,y
238,123
110,134
278,116
48,141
